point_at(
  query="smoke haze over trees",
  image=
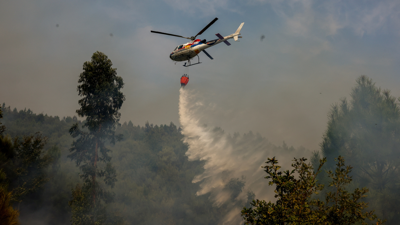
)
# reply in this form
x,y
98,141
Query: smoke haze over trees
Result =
x,y
163,179
366,131
154,174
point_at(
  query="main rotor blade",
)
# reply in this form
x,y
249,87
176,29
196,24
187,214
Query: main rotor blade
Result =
x,y
206,27
158,32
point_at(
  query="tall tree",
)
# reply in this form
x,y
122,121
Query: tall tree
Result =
x,y
366,130
100,89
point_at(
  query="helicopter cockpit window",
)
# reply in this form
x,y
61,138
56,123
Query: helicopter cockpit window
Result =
x,y
180,46
176,48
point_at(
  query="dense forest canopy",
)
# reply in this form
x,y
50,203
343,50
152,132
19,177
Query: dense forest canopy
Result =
x,y
155,178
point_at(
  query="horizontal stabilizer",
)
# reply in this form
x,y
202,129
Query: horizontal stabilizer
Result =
x,y
222,38
227,43
219,36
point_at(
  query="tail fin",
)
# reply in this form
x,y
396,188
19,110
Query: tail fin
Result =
x,y
236,34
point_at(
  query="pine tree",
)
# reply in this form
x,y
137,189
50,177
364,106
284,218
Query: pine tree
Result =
x,y
366,131
99,86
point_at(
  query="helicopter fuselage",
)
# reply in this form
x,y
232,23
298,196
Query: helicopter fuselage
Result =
x,y
191,49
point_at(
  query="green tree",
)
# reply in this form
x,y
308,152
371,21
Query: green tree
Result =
x,y
366,131
23,165
8,215
24,162
295,203
99,86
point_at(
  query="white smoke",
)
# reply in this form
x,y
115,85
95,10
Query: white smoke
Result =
x,y
226,157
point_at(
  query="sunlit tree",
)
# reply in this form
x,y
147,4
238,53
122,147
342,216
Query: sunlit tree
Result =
x,y
295,204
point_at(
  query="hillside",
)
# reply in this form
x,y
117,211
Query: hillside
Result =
x,y
154,175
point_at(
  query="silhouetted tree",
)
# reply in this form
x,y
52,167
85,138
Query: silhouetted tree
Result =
x,y
100,89
366,130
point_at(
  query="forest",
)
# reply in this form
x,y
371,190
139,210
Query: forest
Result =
x,y
154,175
142,175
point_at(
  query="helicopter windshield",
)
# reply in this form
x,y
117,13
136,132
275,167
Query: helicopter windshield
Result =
x,y
180,46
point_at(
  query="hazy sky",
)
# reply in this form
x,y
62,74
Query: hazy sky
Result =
x,y
282,87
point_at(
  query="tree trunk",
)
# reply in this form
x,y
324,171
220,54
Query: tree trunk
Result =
x,y
94,175
95,169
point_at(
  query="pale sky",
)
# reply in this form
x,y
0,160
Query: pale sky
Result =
x,y
281,87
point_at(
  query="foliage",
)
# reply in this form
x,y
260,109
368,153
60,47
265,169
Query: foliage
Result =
x,y
99,86
366,130
84,211
154,174
24,162
26,165
8,215
101,96
2,127
54,194
23,170
295,203
155,178
346,207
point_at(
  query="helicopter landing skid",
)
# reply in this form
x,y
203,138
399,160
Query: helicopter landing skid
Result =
x,y
190,64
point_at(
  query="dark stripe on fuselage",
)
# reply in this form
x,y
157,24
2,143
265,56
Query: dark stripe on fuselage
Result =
x,y
212,42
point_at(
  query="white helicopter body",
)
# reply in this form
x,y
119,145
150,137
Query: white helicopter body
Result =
x,y
191,49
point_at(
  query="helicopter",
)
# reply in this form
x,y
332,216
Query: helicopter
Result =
x,y
191,49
